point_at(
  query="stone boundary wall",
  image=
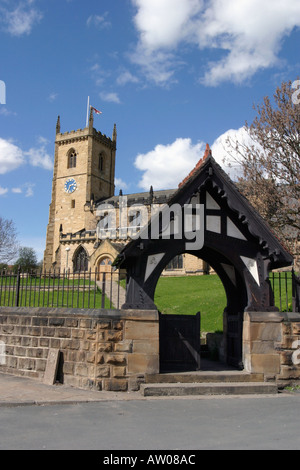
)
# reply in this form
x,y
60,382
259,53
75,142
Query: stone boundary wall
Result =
x,y
271,345
99,349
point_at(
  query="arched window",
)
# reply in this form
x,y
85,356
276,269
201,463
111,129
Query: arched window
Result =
x,y
72,157
80,260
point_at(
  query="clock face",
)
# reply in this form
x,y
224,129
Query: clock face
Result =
x,y
70,185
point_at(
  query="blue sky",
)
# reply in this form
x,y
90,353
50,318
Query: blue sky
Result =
x,y
172,74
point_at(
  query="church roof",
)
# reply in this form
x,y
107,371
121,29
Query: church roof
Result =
x,y
148,197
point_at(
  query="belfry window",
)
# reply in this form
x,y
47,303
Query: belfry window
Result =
x,y
72,157
80,261
101,162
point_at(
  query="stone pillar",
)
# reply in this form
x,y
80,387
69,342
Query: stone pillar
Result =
x,y
262,331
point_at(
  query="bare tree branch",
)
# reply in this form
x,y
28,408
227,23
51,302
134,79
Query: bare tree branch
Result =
x,y
271,165
8,240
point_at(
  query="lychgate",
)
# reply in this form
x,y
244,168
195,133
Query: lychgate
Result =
x,y
209,218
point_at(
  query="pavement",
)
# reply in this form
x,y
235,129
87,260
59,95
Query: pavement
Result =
x,y
21,391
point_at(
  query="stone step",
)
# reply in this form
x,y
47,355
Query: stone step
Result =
x,y
204,377
217,388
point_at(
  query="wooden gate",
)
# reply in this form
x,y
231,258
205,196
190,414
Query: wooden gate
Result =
x,y
179,339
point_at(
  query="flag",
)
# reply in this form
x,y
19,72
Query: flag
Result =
x,y
96,111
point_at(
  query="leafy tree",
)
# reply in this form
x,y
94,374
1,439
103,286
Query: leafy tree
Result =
x,y
270,163
8,240
27,259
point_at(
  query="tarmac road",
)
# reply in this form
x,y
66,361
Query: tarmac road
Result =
x,y
198,423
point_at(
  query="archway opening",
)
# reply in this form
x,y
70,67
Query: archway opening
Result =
x,y
105,267
211,292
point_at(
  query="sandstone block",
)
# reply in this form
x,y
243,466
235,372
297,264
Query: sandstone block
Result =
x,y
115,385
117,359
103,371
141,330
104,347
114,336
265,363
118,371
146,347
53,321
124,346
143,364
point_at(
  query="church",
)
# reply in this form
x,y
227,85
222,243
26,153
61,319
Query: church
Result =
x,y
83,185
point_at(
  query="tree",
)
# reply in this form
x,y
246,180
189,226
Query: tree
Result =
x,y
8,240
27,259
270,163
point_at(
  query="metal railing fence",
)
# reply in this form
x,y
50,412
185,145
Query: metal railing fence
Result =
x,y
84,289
89,289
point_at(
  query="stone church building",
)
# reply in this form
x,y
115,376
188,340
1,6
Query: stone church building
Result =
x,y
83,185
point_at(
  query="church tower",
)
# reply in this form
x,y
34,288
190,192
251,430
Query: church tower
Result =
x,y
84,172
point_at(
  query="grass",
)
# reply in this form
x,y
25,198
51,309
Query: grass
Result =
x,y
282,283
52,292
189,295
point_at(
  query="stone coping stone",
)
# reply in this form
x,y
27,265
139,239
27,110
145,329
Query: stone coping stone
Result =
x,y
130,314
273,317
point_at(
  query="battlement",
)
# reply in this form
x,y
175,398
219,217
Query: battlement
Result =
x,y
83,134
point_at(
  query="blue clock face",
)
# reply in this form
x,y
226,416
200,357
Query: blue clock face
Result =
x,y
70,185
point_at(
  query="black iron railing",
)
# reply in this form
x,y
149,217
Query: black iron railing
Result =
x,y
282,284
89,289
61,289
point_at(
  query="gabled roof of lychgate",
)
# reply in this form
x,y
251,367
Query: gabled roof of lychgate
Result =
x,y
206,171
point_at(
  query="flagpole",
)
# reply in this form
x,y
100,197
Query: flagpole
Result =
x,y
87,112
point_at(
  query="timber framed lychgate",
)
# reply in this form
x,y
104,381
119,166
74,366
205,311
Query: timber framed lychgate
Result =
x,y
209,218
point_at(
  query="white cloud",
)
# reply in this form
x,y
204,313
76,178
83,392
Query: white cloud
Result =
x,y
21,19
3,191
52,97
6,112
11,156
167,165
110,97
249,34
126,77
29,189
40,158
98,21
120,184
225,155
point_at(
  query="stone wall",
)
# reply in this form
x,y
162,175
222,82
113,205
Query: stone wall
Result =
x,y
271,345
99,349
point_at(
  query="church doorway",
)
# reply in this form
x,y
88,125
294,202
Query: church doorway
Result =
x,y
80,260
105,267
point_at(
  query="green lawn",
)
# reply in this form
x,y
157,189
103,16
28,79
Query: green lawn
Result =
x,y
52,292
189,295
